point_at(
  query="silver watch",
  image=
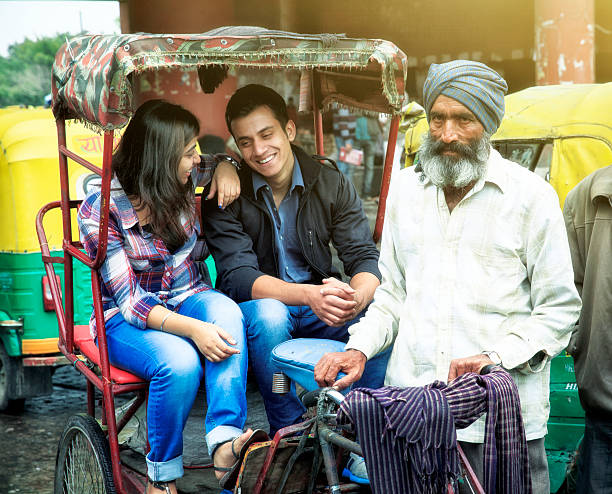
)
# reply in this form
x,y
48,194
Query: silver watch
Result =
x,y
227,157
494,357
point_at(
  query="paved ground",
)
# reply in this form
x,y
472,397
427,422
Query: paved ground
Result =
x,y
28,441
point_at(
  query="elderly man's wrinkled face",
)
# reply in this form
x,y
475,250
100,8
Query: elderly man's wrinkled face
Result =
x,y
455,151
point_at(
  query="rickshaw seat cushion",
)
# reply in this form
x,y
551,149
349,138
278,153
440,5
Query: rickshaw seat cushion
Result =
x,y
297,359
88,347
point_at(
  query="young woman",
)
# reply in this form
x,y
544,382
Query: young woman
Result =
x,y
159,314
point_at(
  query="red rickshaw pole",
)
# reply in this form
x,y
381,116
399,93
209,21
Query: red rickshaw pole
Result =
x,y
386,178
67,233
316,113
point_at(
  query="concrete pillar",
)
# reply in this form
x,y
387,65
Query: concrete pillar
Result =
x,y
564,41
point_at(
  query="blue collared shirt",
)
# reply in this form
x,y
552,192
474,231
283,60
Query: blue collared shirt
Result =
x,y
291,263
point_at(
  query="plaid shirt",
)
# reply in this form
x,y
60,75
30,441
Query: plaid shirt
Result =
x,y
408,434
495,275
139,272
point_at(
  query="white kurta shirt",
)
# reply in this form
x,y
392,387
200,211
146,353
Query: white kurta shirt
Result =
x,y
495,275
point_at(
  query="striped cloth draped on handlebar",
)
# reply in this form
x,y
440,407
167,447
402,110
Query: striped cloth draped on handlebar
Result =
x,y
408,435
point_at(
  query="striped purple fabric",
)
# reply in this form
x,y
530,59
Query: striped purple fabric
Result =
x,y
408,435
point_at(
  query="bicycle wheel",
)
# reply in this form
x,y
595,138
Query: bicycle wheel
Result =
x,y
83,462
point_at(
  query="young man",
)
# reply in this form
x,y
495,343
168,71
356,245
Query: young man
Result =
x,y
271,246
475,262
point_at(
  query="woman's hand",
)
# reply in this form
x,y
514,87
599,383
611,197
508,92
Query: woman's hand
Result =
x,y
211,341
225,183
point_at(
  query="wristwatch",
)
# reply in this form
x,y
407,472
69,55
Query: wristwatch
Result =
x,y
494,357
226,157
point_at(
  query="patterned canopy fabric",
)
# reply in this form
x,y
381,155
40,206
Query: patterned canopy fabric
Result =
x,y
92,75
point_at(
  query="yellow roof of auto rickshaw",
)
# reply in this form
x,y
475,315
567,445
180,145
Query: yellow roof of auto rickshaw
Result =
x,y
558,111
11,117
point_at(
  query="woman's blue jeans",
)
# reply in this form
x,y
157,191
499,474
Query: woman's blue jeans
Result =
x,y
174,368
269,323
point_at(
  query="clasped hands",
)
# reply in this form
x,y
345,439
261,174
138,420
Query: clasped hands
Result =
x,y
335,302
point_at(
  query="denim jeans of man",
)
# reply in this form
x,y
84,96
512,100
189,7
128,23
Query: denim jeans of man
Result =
x,y
595,458
269,323
174,368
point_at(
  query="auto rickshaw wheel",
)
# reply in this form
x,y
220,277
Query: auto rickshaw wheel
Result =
x,y
8,373
83,463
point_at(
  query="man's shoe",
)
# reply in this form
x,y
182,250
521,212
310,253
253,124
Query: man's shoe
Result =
x,y
356,470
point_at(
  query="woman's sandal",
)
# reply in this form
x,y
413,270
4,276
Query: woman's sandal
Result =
x,y
228,481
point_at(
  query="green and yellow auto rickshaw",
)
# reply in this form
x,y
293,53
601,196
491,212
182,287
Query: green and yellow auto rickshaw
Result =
x,y
28,325
562,133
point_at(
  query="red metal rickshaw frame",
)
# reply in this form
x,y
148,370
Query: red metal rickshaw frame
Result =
x,y
342,70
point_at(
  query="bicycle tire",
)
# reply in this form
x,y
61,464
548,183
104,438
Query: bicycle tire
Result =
x,y
83,463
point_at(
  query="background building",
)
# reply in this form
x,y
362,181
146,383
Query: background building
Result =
x,y
528,41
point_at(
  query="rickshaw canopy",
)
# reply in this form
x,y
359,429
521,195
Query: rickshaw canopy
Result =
x,y
92,75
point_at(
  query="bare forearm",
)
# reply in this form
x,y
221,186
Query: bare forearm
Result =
x,y
173,322
288,293
214,342
365,285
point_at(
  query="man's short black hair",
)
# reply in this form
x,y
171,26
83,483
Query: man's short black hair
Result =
x,y
248,98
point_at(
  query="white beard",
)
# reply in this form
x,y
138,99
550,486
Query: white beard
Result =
x,y
454,171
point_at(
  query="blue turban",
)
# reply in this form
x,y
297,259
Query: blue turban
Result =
x,y
473,84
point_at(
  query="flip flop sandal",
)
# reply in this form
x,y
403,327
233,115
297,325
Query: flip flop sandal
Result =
x,y
228,481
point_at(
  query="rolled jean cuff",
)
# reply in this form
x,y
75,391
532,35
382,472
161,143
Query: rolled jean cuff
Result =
x,y
219,435
165,471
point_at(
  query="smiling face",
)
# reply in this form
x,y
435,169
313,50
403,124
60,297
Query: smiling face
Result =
x,y
189,159
264,144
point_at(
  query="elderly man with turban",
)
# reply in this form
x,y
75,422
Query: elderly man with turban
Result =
x,y
475,263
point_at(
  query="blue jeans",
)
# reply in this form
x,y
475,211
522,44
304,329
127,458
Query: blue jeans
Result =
x,y
173,366
595,458
269,323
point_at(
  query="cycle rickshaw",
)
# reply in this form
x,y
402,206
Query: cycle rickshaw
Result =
x,y
94,80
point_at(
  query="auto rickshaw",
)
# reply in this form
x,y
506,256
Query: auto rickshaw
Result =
x,y
94,81
562,133
28,326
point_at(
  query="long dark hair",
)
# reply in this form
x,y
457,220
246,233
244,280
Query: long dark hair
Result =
x,y
146,163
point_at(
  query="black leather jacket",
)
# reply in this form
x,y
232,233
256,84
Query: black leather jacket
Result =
x,y
241,237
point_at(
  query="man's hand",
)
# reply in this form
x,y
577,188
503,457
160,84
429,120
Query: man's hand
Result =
x,y
335,289
462,366
351,362
334,304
